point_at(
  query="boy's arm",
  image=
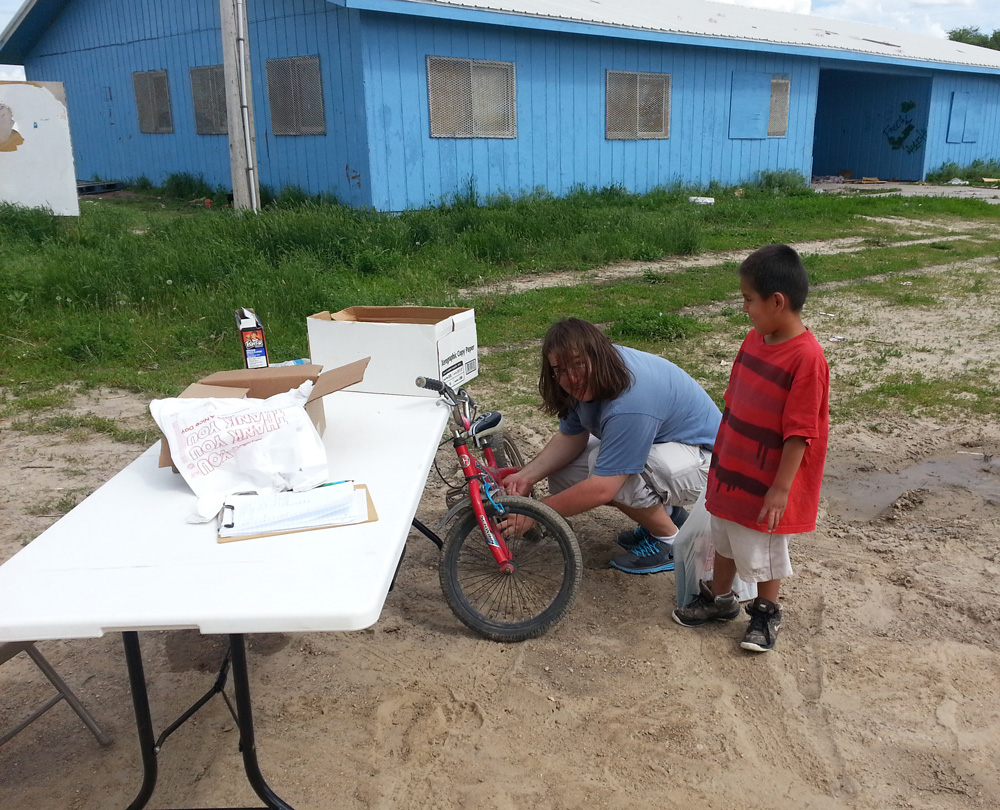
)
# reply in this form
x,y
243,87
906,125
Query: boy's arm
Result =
x,y
777,496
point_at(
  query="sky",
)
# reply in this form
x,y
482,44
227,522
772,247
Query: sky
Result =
x,y
929,17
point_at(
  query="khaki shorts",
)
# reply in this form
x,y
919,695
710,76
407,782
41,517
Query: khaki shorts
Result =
x,y
759,556
675,475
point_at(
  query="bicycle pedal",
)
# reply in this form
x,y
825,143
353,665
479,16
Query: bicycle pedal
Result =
x,y
454,495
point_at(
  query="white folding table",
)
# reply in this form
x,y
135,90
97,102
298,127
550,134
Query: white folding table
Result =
x,y
125,560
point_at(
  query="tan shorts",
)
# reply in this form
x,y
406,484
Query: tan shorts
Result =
x,y
675,475
759,556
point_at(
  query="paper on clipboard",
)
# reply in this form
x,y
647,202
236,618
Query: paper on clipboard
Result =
x,y
248,516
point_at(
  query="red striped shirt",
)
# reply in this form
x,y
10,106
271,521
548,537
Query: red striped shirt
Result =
x,y
775,392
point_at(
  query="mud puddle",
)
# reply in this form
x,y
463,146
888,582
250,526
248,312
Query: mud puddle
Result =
x,y
865,495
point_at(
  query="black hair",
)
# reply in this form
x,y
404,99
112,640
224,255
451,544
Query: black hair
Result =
x,y
777,268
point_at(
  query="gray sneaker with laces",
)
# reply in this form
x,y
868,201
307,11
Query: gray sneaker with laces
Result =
x,y
765,622
706,607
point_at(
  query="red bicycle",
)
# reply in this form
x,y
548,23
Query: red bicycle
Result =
x,y
505,587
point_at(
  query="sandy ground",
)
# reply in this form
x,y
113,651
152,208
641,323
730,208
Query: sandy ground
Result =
x,y
882,694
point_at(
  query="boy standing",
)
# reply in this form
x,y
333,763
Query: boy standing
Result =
x,y
767,463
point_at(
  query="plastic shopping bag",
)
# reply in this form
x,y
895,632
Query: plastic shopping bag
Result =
x,y
694,556
223,446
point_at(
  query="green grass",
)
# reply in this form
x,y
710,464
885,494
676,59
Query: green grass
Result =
x,y
139,294
80,427
57,506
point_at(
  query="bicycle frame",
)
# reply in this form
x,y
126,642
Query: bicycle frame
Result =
x,y
480,481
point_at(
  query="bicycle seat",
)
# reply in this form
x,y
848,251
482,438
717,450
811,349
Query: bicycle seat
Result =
x,y
486,425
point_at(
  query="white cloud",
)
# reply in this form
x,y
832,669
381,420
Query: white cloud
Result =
x,y
929,17
11,73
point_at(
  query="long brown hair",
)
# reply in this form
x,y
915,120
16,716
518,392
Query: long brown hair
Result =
x,y
608,374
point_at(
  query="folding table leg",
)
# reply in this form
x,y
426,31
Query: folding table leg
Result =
x,y
241,686
244,719
143,721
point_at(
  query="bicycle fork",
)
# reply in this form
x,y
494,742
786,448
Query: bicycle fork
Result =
x,y
474,479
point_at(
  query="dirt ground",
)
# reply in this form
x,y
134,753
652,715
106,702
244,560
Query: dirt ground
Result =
x,y
883,692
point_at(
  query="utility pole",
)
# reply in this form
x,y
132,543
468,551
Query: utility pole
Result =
x,y
239,105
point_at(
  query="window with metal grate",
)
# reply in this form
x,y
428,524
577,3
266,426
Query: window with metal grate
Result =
x,y
295,96
152,102
777,119
471,98
637,105
208,91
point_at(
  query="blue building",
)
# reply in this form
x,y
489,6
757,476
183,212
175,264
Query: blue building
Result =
x,y
396,104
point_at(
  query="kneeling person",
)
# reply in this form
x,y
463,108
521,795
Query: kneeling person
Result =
x,y
635,432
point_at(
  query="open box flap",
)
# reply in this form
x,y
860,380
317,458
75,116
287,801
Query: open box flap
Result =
x,y
394,315
335,379
265,382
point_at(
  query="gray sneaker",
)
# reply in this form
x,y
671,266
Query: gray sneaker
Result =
x,y
765,622
706,608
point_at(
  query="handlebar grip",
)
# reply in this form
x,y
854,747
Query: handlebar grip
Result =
x,y
430,384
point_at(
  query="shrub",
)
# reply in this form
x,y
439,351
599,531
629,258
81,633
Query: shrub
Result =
x,y
184,186
786,180
974,172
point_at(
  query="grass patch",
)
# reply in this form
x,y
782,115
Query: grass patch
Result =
x,y
139,294
916,394
79,427
58,506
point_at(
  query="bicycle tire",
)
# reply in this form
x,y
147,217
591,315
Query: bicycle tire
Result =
x,y
548,569
506,452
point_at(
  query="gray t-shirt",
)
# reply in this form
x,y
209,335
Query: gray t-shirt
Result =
x,y
663,404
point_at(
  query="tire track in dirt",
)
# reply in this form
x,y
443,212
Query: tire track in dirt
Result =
x,y
676,264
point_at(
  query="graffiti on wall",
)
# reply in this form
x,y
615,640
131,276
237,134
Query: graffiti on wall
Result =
x,y
903,133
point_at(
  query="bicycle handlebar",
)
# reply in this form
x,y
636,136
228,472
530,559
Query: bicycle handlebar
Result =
x,y
430,384
463,404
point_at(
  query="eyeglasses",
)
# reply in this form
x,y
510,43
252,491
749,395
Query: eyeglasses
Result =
x,y
577,368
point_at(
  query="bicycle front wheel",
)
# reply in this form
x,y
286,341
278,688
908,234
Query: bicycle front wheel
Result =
x,y
534,596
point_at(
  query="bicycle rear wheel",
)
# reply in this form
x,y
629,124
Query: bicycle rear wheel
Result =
x,y
532,598
506,452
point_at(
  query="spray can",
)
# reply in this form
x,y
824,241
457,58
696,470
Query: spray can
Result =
x,y
252,338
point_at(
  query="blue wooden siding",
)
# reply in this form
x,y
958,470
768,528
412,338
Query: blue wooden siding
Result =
x,y
378,150
561,115
984,92
872,124
95,46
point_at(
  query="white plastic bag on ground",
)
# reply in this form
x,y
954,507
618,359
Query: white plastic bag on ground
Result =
x,y
222,446
694,555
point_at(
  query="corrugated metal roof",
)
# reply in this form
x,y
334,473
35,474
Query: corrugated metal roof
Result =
x,y
700,18
657,18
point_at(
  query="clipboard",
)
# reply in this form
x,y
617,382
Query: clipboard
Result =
x,y
371,517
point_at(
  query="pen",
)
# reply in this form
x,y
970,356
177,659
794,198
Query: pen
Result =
x,y
334,483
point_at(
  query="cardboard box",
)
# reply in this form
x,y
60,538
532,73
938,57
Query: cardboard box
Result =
x,y
262,383
403,342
